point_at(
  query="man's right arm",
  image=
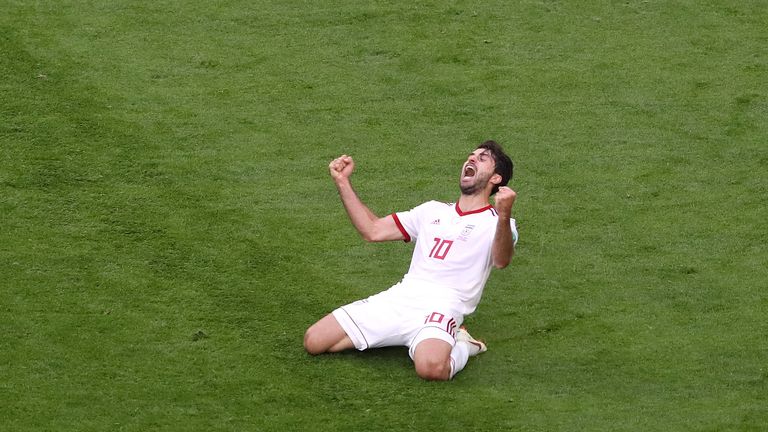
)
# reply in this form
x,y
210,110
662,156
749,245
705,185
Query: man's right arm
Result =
x,y
371,227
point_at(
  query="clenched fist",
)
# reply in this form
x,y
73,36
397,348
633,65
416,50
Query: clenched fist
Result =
x,y
505,198
341,167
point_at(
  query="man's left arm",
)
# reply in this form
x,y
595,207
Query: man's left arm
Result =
x,y
503,248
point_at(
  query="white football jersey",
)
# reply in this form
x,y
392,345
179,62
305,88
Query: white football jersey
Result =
x,y
452,256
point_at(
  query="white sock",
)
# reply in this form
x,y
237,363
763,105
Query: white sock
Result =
x,y
459,357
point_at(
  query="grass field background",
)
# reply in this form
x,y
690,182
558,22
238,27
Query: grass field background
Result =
x,y
168,229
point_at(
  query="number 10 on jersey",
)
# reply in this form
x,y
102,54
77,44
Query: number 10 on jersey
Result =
x,y
440,249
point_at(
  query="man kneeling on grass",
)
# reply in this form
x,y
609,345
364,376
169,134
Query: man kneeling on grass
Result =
x,y
456,246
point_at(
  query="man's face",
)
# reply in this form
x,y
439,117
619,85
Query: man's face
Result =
x,y
476,172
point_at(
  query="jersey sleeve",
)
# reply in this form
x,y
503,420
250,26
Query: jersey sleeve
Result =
x,y
410,222
513,225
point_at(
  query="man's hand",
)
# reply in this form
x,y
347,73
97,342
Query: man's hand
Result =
x,y
505,198
341,167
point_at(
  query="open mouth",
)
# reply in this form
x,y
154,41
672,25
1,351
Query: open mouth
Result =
x,y
469,171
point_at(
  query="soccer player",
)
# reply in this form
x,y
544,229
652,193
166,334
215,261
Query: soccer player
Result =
x,y
457,244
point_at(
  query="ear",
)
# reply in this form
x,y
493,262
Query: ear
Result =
x,y
495,178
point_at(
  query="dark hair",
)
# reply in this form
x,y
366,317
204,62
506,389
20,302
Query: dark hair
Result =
x,y
504,165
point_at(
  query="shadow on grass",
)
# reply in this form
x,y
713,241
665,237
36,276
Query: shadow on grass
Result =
x,y
385,358
394,354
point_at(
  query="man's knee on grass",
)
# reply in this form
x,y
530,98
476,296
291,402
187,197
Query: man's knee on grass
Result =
x,y
433,369
313,344
325,336
432,360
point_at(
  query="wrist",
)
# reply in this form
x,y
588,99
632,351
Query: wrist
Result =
x,y
342,183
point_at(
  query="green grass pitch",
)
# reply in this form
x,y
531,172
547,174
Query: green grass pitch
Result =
x,y
168,228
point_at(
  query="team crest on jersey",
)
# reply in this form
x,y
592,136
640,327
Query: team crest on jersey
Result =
x,y
466,232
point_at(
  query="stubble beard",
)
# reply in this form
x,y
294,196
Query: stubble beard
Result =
x,y
470,189
476,187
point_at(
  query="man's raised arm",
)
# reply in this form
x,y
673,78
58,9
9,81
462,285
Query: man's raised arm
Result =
x,y
503,248
371,227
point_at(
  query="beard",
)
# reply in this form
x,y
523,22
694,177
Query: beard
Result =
x,y
477,186
469,189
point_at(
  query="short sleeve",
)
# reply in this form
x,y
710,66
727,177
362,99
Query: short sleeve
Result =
x,y
410,222
513,225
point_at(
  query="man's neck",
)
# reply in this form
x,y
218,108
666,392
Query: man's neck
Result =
x,y
468,203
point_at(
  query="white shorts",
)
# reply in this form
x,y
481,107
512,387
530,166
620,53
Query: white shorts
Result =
x,y
392,318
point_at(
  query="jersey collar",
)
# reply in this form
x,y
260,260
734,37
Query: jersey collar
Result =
x,y
480,210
